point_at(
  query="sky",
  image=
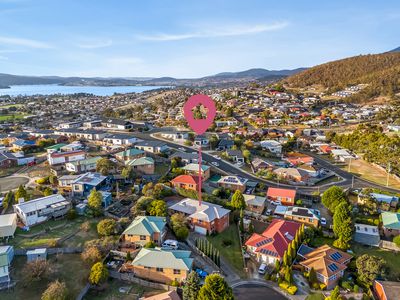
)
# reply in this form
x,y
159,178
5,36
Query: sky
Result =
x,y
188,38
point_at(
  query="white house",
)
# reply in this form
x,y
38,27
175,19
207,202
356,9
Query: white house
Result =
x,y
120,139
84,165
272,146
57,158
42,209
8,224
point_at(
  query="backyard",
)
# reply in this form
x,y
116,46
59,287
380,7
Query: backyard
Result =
x,y
65,267
233,252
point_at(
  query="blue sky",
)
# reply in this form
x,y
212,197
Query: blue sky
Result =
x,y
187,38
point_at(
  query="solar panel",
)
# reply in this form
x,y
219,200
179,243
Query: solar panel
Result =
x,y
333,267
336,256
263,242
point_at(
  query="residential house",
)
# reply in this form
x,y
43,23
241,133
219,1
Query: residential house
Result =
x,y
85,183
302,215
329,264
59,158
68,125
55,148
204,218
296,158
233,183
186,158
259,164
291,174
255,204
386,202
391,223
225,144
272,146
193,169
120,139
75,146
144,229
84,165
342,155
284,196
226,122
366,234
175,136
116,124
170,295
271,245
7,160
65,183
106,199
8,225
21,145
129,154
90,134
6,257
142,165
236,156
187,182
201,140
42,209
386,290
152,146
162,266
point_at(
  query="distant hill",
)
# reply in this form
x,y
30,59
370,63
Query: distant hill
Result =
x,y
213,80
395,50
380,71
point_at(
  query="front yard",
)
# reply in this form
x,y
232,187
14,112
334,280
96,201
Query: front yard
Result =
x,y
233,252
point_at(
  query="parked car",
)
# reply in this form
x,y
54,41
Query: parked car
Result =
x,y
276,202
217,157
323,221
214,163
170,244
268,212
202,274
262,269
182,149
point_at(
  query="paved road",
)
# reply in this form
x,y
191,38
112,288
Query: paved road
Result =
x,y
256,292
347,182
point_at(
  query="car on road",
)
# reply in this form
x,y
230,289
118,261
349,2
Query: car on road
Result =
x,y
268,212
323,221
214,163
182,149
217,157
276,202
194,152
262,269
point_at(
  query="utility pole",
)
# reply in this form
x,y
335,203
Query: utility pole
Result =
x,y
388,175
349,165
352,182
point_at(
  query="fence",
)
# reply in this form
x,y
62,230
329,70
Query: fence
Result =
x,y
50,251
205,257
131,278
389,245
83,292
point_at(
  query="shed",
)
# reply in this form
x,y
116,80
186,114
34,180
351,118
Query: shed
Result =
x,y
6,255
8,224
81,208
36,254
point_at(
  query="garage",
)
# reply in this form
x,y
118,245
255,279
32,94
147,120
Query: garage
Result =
x,y
200,230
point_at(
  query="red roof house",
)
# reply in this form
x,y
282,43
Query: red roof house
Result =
x,y
296,158
270,246
187,182
285,196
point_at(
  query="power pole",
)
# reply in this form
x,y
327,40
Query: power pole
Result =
x,y
352,182
388,174
349,165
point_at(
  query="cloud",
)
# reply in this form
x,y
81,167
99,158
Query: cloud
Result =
x,y
24,42
95,44
217,32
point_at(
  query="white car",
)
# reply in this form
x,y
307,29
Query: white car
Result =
x,y
214,163
217,157
323,221
276,202
262,269
268,212
182,149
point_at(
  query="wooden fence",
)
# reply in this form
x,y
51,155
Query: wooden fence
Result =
x,y
50,251
388,245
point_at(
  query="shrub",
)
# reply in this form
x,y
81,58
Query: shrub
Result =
x,y
150,244
267,276
226,242
322,286
106,227
85,226
347,285
291,289
71,214
175,283
356,288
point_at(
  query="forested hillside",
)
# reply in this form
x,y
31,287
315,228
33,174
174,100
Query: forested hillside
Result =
x,y
380,71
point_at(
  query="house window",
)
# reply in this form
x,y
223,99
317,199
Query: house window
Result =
x,y
160,270
177,271
142,237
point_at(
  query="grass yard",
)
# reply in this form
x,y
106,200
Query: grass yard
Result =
x,y
112,291
392,258
317,296
11,117
370,172
320,240
161,169
232,253
66,267
49,237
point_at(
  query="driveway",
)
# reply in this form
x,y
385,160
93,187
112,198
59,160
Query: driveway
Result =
x,y
250,291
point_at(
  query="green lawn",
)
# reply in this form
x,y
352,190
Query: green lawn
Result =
x,y
320,240
317,296
66,267
392,258
11,117
232,253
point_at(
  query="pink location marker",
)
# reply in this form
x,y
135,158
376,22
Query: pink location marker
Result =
x,y
199,125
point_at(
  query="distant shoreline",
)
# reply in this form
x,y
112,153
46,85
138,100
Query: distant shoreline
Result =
x,y
4,87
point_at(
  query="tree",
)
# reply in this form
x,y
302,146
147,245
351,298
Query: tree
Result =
x,y
150,245
127,173
192,286
21,193
36,270
332,197
277,265
312,276
94,202
286,259
56,290
98,273
288,275
157,208
106,227
237,201
182,233
104,165
48,191
342,226
369,267
91,255
8,200
396,240
247,155
215,288
335,294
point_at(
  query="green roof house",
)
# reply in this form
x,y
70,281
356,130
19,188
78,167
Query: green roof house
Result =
x,y
391,223
142,165
144,229
6,257
129,154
